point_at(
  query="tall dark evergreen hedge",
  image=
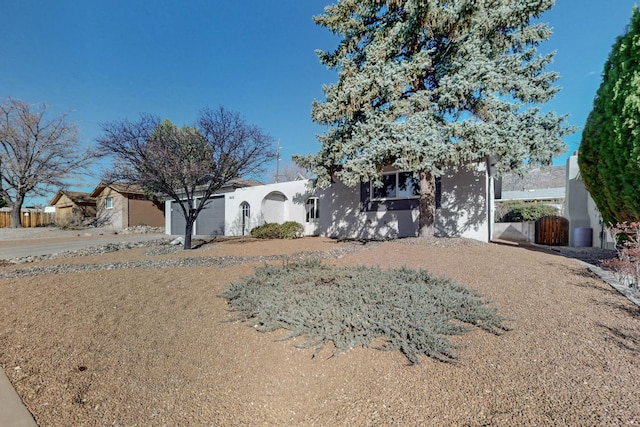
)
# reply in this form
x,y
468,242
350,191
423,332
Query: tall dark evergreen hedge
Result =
x,y
609,157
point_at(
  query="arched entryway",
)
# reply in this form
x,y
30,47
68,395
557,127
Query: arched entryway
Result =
x,y
274,207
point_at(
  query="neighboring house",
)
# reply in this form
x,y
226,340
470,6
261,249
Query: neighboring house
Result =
x,y
559,186
73,207
549,196
463,207
538,185
123,205
586,227
546,185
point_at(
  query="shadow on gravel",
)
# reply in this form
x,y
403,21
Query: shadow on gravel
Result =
x,y
631,310
593,256
584,273
628,340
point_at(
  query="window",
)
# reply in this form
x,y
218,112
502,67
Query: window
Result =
x,y
397,185
312,209
108,203
246,215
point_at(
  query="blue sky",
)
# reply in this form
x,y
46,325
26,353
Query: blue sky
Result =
x,y
109,60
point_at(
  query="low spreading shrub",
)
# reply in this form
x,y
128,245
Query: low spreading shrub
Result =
x,y
291,230
266,231
287,230
395,309
520,211
627,264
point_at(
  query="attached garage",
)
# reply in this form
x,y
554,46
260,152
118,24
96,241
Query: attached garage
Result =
x,y
210,221
178,223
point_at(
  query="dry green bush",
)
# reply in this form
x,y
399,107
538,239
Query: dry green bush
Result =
x,y
520,211
400,309
287,230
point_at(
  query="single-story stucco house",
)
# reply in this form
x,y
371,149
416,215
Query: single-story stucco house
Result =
x,y
73,206
562,187
464,207
586,227
125,205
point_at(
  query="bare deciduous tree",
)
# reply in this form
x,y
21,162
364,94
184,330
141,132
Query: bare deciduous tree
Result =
x,y
36,153
188,163
289,171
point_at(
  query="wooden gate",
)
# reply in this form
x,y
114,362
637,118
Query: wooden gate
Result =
x,y
552,231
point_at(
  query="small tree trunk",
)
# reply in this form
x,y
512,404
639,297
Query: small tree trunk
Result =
x,y
16,212
188,232
427,220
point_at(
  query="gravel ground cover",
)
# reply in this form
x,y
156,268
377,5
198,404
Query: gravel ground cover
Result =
x,y
140,336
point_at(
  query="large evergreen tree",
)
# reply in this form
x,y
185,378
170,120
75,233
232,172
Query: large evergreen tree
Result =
x,y
428,83
609,157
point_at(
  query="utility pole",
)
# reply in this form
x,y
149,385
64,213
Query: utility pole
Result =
x,y
278,162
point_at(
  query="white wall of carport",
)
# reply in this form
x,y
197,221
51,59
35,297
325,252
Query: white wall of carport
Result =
x,y
296,193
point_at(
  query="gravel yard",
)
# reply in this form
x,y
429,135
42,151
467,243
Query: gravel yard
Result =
x,y
139,336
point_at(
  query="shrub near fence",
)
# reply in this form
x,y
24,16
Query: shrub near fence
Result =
x,y
521,211
28,219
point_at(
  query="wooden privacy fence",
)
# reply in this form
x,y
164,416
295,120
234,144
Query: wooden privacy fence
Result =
x,y
28,219
552,231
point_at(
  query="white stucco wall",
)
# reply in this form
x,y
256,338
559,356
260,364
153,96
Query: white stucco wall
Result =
x,y
576,199
167,217
465,203
515,231
581,210
278,202
341,217
464,210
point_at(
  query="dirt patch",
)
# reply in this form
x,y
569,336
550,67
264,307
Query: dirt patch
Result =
x,y
153,346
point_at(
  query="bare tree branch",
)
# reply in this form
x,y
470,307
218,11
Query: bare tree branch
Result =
x,y
290,171
186,163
